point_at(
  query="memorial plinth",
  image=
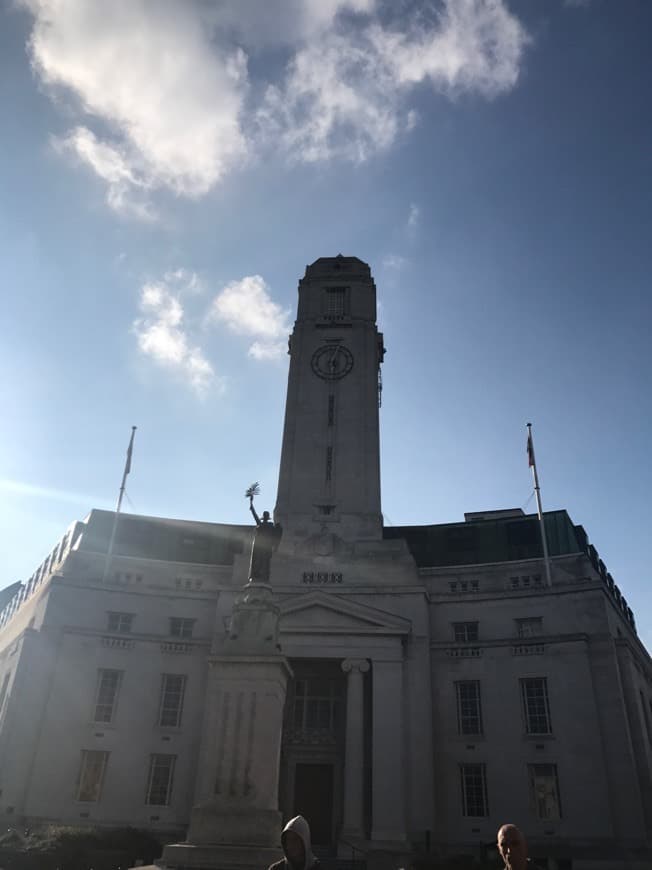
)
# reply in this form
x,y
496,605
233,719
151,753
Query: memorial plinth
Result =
x,y
235,823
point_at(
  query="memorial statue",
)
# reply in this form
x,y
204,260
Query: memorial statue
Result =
x,y
266,539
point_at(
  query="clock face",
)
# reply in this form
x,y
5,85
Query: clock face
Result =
x,y
332,361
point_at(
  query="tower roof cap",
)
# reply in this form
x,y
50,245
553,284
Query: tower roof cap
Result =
x,y
339,264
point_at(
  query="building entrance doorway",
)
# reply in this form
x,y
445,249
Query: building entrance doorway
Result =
x,y
312,754
313,799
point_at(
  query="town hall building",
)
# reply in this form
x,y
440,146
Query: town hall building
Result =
x,y
432,683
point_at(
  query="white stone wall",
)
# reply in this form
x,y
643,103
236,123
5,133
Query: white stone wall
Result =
x,y
598,758
51,712
384,613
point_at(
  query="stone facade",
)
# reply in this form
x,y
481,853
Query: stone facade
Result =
x,y
418,686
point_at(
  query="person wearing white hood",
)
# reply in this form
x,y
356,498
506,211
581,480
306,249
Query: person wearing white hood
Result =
x,y
295,840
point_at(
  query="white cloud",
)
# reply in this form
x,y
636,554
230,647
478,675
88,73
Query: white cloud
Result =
x,y
413,216
150,71
246,308
164,99
394,261
264,350
318,15
337,101
162,335
285,22
123,185
184,281
200,372
344,95
476,45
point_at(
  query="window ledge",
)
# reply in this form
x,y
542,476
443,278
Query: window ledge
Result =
x,y
177,646
118,642
464,652
528,648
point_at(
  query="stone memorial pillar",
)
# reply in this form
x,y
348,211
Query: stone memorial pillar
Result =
x,y
235,823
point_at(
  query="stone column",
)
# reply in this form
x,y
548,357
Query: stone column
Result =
x,y
353,825
388,763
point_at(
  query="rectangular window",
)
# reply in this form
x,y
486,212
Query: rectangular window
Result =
x,y
335,301
181,627
159,779
329,463
331,410
474,790
469,708
465,632
544,791
316,703
91,775
108,686
529,627
536,710
120,622
3,690
173,687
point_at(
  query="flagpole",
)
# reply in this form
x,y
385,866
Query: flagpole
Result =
x,y
537,492
109,552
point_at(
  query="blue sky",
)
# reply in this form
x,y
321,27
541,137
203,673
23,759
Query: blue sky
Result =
x,y
170,168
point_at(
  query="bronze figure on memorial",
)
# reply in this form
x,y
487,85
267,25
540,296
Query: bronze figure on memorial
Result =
x,y
266,539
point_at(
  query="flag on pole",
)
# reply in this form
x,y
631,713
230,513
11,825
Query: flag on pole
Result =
x,y
130,450
530,450
537,492
109,552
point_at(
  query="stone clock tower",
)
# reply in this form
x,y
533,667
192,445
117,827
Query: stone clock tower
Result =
x,y
330,461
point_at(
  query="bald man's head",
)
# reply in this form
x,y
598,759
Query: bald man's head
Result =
x,y
512,846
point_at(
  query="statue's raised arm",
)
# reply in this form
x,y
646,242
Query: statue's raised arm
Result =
x,y
253,511
253,490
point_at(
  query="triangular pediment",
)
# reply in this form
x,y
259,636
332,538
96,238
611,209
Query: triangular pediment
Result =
x,y
318,612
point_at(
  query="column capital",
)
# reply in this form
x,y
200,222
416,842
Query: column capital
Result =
x,y
359,665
